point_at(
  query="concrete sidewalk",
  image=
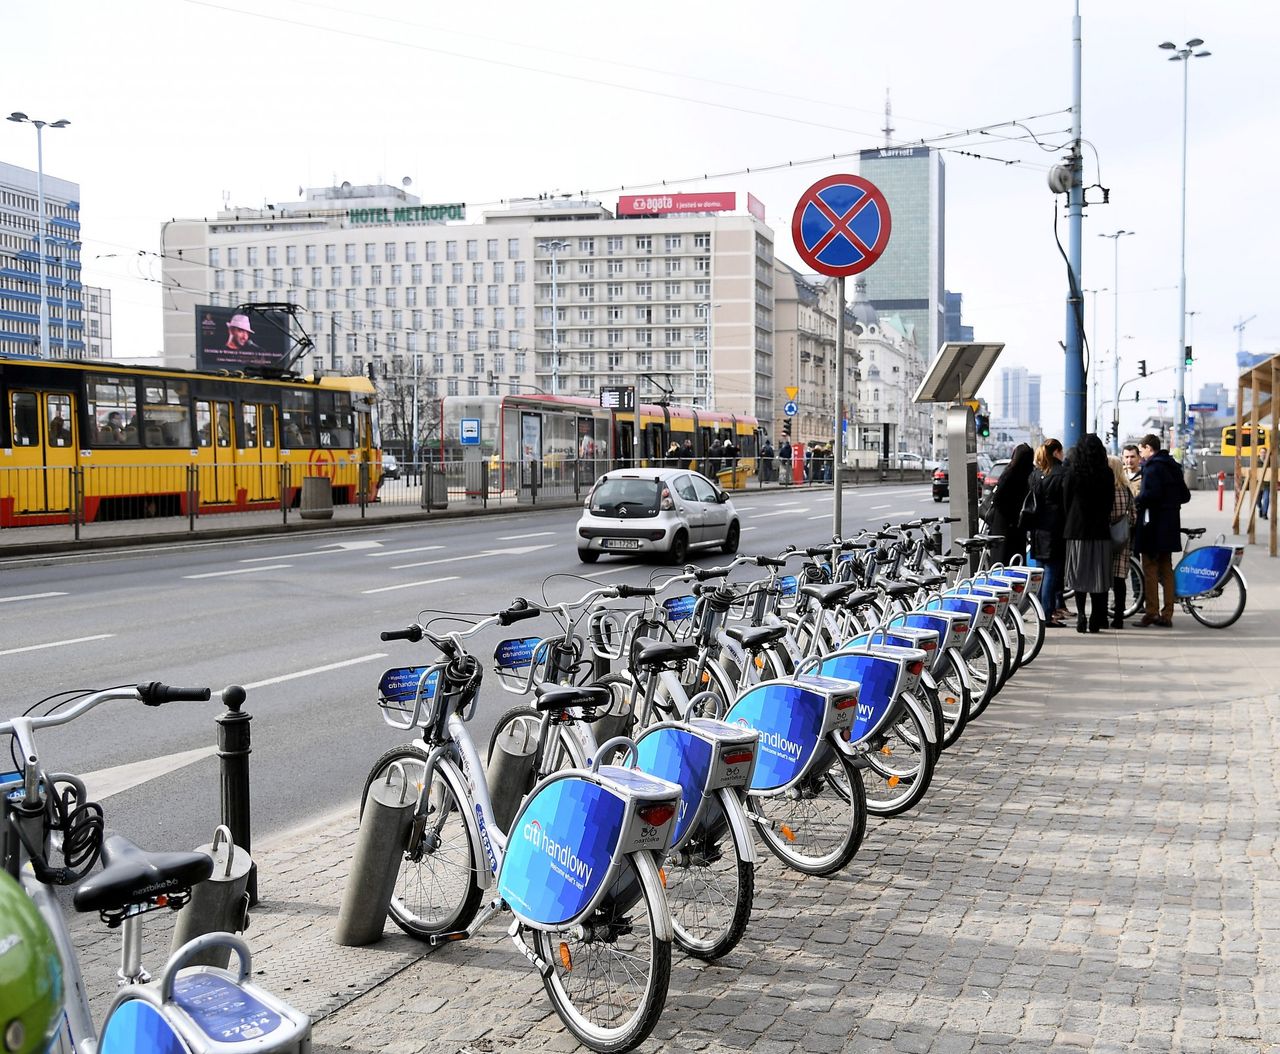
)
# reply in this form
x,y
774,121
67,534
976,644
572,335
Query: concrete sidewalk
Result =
x,y
1104,880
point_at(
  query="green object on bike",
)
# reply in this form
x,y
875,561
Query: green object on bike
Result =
x,y
30,974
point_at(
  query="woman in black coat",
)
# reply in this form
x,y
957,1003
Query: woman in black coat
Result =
x,y
1088,492
1010,493
1048,548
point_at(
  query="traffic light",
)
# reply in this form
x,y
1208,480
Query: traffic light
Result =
x,y
982,424
786,428
1188,358
1142,367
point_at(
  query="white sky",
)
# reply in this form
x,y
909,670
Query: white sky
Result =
x,y
174,102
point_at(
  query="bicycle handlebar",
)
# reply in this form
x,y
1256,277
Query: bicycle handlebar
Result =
x,y
412,633
153,693
519,611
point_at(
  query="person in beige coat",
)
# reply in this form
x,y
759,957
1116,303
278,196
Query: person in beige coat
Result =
x,y
1122,508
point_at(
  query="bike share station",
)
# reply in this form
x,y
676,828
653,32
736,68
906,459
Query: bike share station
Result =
x,y
954,379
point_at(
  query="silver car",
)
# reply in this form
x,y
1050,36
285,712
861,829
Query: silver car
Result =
x,y
659,510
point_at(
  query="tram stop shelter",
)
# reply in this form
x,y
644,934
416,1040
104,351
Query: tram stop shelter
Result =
x,y
1258,468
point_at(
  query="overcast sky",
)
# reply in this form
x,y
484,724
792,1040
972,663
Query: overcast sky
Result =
x,y
178,104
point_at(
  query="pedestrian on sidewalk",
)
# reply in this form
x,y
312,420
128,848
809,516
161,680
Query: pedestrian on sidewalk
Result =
x,y
1088,492
1132,467
1122,510
1048,548
1007,501
784,461
1159,535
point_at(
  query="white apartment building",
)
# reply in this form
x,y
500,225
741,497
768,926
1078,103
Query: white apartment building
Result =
x,y
97,322
548,294
889,420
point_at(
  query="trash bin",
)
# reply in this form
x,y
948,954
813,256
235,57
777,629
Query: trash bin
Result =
x,y
435,488
317,498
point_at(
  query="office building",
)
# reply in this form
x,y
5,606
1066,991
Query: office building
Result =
x,y
549,294
953,326
1019,396
908,279
1033,401
20,264
97,322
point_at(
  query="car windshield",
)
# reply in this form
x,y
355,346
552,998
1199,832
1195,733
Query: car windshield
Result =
x,y
626,497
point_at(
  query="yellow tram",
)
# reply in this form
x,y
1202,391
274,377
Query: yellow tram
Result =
x,y
111,441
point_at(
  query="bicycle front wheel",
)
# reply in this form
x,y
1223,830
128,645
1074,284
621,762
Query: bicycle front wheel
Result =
x,y
1137,588
710,884
817,826
955,696
1220,607
436,889
609,975
1033,626
899,766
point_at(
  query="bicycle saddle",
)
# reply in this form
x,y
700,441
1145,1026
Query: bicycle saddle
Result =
x,y
830,596
900,589
558,698
1194,532
978,542
131,875
756,636
929,581
661,652
953,561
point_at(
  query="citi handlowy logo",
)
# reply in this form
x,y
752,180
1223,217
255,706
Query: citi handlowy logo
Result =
x,y
1202,572
562,854
777,743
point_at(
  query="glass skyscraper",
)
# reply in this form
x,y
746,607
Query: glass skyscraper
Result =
x,y
908,279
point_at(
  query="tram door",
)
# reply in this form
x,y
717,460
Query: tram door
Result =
x,y
257,472
44,446
217,457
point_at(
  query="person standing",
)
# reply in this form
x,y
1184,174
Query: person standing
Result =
x,y
1159,534
1048,548
766,462
784,461
1132,467
1010,494
1122,509
1088,492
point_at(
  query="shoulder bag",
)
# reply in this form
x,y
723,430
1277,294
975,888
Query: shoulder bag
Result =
x,y
1027,514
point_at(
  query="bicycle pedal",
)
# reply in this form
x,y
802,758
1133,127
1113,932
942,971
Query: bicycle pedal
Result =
x,y
437,939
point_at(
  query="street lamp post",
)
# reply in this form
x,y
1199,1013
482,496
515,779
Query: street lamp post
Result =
x,y
1184,55
708,401
1115,318
554,246
22,118
1094,358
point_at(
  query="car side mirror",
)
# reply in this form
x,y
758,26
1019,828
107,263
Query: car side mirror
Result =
x,y
722,496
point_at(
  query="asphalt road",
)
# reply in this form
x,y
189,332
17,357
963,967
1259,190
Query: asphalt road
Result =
x,y
296,620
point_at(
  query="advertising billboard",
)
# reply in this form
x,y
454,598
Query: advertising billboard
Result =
x,y
248,341
662,204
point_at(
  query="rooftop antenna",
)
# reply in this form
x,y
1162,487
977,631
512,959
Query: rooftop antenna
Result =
x,y
888,128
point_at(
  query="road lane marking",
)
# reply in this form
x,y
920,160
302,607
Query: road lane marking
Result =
x,y
781,512
106,782
903,512
606,571
241,571
821,516
327,550
401,552
746,529
57,643
410,585
515,550
314,670
781,504
532,534
30,596
877,508
746,508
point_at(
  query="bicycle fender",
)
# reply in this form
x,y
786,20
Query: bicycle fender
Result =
x,y
737,817
450,773
923,714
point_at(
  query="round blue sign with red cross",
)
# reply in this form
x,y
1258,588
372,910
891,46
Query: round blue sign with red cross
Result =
x,y
841,225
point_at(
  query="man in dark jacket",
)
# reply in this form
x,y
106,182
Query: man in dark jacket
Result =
x,y
1159,531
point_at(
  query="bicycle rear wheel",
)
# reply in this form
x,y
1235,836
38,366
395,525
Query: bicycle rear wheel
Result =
x,y
710,884
609,975
1137,588
982,672
1033,618
817,826
955,696
899,766
1221,607
436,890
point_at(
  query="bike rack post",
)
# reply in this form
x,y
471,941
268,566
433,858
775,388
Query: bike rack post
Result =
x,y
384,827
362,484
193,491
284,494
233,756
220,904
77,500
510,771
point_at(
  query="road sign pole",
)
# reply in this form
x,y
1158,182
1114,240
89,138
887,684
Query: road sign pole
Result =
x,y
838,447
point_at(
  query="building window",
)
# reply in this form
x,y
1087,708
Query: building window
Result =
x,y
674,241
389,252
473,249
450,250
431,251
410,251
673,338
513,248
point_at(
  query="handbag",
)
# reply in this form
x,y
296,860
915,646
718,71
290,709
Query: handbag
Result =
x,y
1027,514
1120,533
986,507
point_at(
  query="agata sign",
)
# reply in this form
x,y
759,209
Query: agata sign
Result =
x,y
661,204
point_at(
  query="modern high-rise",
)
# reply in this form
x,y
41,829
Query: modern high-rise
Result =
x,y
20,264
553,294
1019,396
954,328
1033,399
908,279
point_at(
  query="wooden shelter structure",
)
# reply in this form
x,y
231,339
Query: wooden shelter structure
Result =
x,y
1259,384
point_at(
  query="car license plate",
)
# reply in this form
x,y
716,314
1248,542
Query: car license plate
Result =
x,y
622,543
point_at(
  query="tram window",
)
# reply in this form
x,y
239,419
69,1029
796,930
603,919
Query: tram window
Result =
x,y
26,419
248,432
337,424
59,420
204,415
297,422
165,414
113,409
267,429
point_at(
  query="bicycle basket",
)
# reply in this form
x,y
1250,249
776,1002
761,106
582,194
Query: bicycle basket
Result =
x,y
515,662
406,694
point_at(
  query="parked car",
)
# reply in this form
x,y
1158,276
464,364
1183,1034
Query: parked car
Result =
x,y
656,512
908,459
941,482
390,466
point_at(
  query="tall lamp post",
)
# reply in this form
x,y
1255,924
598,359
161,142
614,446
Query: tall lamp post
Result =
x,y
40,126
1191,50
556,245
1094,357
1115,318
708,400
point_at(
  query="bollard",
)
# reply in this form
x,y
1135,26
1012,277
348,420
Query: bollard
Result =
x,y
233,754
218,905
510,771
375,865
1222,486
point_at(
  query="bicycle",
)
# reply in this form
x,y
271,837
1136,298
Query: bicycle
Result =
x,y
578,871
1208,582
200,1009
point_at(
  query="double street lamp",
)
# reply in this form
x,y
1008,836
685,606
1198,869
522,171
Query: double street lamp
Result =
x,y
554,246
40,126
1115,346
1190,50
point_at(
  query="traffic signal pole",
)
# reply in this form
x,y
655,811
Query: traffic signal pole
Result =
x,y
1075,396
